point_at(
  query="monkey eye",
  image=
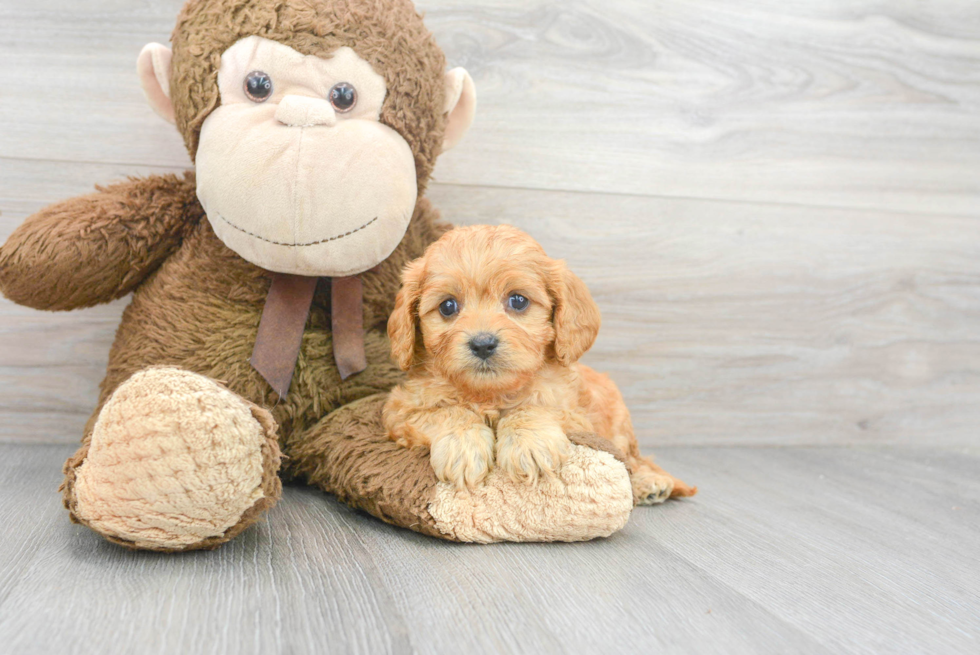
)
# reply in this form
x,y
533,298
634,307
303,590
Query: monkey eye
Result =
x,y
258,86
448,307
343,97
517,302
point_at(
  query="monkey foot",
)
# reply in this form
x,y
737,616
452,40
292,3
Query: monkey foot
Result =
x,y
589,497
176,462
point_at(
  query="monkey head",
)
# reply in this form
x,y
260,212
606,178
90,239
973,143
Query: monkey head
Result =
x,y
314,124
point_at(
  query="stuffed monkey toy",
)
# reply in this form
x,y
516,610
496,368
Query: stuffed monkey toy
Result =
x,y
254,348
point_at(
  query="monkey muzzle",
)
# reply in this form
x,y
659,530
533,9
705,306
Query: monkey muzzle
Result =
x,y
303,193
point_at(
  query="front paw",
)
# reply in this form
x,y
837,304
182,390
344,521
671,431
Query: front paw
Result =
x,y
528,452
463,459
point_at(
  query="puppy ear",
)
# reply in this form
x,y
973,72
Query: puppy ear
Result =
x,y
403,322
576,316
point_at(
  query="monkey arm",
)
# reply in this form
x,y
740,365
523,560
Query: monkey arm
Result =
x,y
97,247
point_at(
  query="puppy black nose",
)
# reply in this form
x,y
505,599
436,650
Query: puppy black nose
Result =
x,y
483,345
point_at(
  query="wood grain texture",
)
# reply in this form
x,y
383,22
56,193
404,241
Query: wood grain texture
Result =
x,y
726,321
804,550
737,322
723,322
862,104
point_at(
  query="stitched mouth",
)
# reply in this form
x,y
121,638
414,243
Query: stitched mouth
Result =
x,y
295,245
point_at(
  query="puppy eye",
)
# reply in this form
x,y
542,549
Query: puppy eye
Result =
x,y
343,97
449,307
517,302
258,86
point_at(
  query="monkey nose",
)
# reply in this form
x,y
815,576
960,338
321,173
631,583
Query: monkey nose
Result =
x,y
301,111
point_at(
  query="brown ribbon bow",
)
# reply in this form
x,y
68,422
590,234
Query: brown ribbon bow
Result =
x,y
283,321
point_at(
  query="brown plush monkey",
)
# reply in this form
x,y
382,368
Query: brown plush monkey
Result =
x,y
314,126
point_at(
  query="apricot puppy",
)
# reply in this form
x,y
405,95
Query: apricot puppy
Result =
x,y
489,329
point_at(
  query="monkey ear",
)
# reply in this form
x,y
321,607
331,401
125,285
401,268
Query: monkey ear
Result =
x,y
402,324
460,106
576,315
153,66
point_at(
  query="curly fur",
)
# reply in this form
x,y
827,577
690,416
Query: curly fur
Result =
x,y
513,408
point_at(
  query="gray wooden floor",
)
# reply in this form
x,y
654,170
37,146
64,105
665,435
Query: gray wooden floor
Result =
x,y
786,550
776,205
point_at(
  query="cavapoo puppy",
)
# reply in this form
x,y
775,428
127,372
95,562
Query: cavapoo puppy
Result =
x,y
490,329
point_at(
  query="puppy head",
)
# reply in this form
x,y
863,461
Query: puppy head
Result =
x,y
485,308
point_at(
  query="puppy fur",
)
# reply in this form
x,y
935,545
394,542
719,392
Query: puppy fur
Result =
x,y
514,407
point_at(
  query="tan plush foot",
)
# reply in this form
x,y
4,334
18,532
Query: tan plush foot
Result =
x,y
589,497
176,461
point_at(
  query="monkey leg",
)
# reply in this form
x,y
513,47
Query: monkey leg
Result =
x,y
348,454
175,461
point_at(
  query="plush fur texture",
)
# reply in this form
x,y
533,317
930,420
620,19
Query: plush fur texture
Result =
x,y
341,186
96,248
350,454
196,304
513,406
388,34
550,510
176,460
199,311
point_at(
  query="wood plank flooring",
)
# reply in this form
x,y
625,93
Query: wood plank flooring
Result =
x,y
785,550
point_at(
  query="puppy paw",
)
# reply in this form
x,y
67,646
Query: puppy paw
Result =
x,y
527,453
651,488
463,459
